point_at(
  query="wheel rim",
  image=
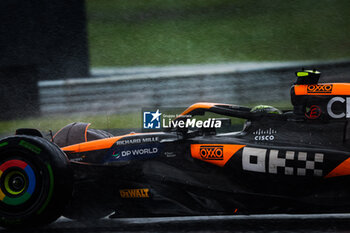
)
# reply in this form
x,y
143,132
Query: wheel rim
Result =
x,y
17,182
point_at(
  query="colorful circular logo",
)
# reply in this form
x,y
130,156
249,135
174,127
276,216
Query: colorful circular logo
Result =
x,y
17,182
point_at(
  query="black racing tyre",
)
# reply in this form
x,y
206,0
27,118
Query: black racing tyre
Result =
x,y
35,181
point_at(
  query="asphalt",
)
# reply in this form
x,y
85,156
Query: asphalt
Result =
x,y
251,223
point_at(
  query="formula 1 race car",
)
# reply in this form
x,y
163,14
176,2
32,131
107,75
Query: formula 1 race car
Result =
x,y
295,161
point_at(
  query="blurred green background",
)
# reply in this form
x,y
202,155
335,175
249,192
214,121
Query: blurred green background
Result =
x,y
167,32
158,32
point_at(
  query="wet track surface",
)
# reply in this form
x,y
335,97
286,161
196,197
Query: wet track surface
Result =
x,y
253,223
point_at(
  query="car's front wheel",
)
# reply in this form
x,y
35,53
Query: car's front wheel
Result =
x,y
35,181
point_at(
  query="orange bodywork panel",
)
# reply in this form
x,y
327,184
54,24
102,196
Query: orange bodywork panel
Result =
x,y
323,89
218,154
94,145
85,133
341,170
199,106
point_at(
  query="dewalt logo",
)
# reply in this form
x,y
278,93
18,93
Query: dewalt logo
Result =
x,y
326,88
212,152
134,193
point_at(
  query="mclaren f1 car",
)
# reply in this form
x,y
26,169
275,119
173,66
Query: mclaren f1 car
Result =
x,y
295,161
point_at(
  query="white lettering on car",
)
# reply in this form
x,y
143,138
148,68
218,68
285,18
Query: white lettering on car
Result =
x,y
282,162
341,100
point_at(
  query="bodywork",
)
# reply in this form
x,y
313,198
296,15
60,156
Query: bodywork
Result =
x,y
295,162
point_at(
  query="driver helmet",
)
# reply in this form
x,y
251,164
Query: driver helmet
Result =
x,y
262,109
265,109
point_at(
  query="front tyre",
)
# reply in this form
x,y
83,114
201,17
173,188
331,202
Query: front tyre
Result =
x,y
35,182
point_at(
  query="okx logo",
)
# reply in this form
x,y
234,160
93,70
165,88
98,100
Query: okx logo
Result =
x,y
151,120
